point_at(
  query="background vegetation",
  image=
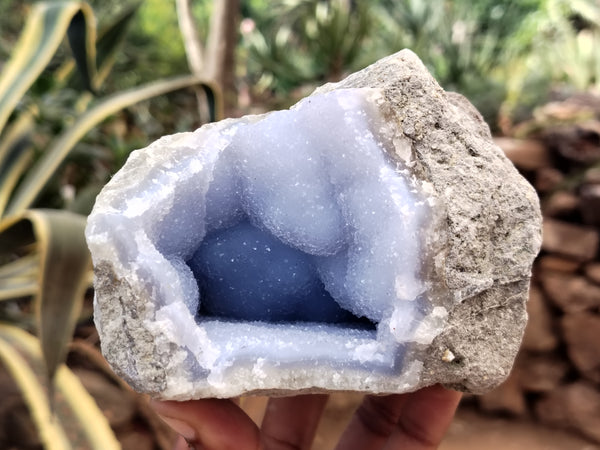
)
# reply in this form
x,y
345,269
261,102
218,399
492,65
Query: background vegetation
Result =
x,y
122,73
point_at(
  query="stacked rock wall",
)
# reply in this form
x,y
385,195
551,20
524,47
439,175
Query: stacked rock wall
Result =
x,y
556,377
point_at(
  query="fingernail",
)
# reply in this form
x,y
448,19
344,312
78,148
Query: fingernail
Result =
x,y
181,427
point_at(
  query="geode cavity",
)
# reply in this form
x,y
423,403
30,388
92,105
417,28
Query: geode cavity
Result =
x,y
371,238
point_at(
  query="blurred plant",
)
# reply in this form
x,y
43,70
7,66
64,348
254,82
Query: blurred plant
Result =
x,y
570,33
470,47
45,266
153,47
553,52
215,58
291,42
503,55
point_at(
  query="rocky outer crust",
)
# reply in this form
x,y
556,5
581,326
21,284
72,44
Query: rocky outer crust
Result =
x,y
487,231
491,214
122,320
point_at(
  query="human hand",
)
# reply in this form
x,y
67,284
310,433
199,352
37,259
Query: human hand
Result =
x,y
413,421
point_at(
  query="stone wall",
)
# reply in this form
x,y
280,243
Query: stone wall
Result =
x,y
556,377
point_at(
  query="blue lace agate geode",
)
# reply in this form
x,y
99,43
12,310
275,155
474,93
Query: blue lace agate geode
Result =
x,y
303,250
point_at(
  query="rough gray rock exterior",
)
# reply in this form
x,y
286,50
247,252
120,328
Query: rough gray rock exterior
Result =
x,y
487,232
492,215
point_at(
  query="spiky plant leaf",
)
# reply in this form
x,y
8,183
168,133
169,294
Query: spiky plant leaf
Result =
x,y
16,153
61,273
82,40
51,432
18,278
58,150
77,422
45,28
110,40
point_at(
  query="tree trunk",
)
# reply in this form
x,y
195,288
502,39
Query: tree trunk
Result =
x,y
187,26
220,50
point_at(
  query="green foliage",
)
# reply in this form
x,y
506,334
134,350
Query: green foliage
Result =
x,y
470,47
503,55
11,23
154,48
65,122
456,39
46,109
76,421
305,40
570,38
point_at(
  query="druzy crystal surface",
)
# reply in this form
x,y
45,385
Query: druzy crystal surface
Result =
x,y
309,249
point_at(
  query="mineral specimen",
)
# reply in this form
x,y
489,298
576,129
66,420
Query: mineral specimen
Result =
x,y
371,238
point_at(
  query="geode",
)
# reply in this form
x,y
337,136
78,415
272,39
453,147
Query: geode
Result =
x,y
371,238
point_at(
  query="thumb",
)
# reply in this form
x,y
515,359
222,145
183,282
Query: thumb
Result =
x,y
210,424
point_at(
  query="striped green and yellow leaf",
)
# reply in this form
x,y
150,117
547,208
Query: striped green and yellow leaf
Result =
x,y
59,149
76,421
16,154
45,29
50,261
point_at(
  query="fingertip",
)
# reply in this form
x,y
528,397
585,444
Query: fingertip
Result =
x,y
167,408
426,417
444,397
170,414
212,424
291,422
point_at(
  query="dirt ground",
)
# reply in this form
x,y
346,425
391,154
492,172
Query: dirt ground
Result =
x,y
471,430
